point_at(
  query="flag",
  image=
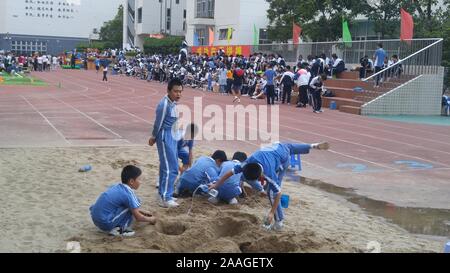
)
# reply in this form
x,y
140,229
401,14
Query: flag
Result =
x,y
296,31
211,37
255,35
229,34
407,26
196,43
346,36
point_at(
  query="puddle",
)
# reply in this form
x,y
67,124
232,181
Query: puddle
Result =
x,y
424,221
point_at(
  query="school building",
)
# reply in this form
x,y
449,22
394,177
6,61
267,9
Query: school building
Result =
x,y
29,26
152,18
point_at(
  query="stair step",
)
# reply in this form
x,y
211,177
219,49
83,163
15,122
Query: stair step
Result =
x,y
340,102
350,109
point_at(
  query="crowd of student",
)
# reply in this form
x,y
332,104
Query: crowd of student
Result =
x,y
16,63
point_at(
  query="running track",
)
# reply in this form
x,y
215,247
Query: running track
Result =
x,y
405,164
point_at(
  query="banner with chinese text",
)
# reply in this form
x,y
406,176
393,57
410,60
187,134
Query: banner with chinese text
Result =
x,y
244,50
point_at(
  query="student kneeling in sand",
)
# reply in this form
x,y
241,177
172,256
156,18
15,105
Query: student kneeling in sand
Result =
x,y
204,171
270,164
185,146
232,186
114,210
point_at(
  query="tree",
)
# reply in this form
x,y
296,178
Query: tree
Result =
x,y
385,15
111,33
320,19
167,45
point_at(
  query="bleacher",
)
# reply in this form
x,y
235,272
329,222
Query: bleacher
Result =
x,y
351,93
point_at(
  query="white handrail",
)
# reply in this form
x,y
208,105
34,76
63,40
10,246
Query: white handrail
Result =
x,y
358,41
403,60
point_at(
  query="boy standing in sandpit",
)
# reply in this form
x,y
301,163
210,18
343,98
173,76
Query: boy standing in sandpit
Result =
x,y
270,164
164,134
114,210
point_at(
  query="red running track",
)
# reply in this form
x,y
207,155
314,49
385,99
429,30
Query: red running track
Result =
x,y
405,164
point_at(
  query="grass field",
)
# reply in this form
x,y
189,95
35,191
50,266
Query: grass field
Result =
x,y
6,79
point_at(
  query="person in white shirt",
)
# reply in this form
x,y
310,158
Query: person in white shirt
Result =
x,y
40,61
105,73
288,81
302,83
338,65
54,63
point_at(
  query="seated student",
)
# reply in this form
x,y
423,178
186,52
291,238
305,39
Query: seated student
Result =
x,y
204,171
185,146
270,164
338,65
365,65
232,186
114,210
396,69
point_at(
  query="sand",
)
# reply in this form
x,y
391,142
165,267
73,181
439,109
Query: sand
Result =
x,y
45,204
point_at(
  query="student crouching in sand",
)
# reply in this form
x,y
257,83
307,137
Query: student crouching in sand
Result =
x,y
114,210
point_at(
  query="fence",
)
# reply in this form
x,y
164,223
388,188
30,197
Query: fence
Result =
x,y
419,77
351,53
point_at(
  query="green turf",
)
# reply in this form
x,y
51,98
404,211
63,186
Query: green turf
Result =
x,y
24,80
431,120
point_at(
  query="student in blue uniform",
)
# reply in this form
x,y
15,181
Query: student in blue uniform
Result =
x,y
270,164
231,188
186,145
204,171
114,210
165,135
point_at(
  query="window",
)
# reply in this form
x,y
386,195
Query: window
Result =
x,y
263,37
178,1
223,34
184,14
201,34
168,12
205,9
140,16
168,24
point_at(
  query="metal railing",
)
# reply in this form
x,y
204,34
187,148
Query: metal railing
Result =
x,y
350,53
424,61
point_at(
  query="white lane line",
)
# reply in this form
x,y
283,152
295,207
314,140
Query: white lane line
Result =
x,y
45,118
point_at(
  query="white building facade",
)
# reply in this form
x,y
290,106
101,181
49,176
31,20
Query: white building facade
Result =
x,y
54,26
143,18
240,15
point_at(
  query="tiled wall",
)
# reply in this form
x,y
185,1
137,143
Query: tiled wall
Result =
x,y
421,96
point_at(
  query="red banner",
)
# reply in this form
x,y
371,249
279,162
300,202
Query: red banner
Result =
x,y
244,50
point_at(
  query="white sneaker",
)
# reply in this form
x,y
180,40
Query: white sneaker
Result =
x,y
321,146
278,226
168,204
233,201
175,199
213,200
119,232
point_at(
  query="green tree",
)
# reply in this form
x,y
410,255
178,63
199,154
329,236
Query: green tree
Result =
x,y
167,45
111,33
320,19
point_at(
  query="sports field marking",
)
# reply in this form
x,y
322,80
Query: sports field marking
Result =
x,y
45,118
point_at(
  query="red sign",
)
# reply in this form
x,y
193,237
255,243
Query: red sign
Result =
x,y
156,36
244,50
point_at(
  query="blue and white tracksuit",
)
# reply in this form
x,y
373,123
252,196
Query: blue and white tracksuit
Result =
x,y
274,161
203,171
166,133
184,148
232,186
114,208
